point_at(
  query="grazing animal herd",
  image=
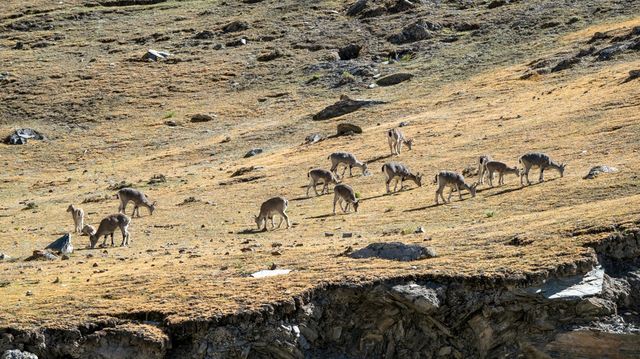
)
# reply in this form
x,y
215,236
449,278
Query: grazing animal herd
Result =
x,y
344,195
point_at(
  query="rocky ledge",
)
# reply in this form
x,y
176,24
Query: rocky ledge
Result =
x,y
589,312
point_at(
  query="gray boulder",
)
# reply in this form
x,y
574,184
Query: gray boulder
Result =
x,y
394,251
422,299
18,354
61,245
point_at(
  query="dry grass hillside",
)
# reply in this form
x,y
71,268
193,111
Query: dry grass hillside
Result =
x,y
78,80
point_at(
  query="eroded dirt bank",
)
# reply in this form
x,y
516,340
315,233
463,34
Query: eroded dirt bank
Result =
x,y
587,310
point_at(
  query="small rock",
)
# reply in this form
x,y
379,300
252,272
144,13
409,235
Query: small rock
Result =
x,y
57,280
201,118
95,265
270,56
608,52
4,257
42,255
393,79
348,129
496,3
246,249
595,171
420,30
328,234
157,178
154,55
171,123
403,124
566,64
235,26
444,351
313,138
276,244
204,35
276,253
29,293
237,42
21,135
349,52
633,74
419,230
253,152
65,257
347,235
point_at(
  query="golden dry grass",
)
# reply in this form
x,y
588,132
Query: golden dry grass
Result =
x,y
185,261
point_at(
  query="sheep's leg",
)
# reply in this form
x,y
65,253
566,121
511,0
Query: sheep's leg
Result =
x,y
335,200
309,186
491,178
286,219
281,220
122,207
391,147
541,179
113,244
273,224
399,146
344,170
124,235
350,170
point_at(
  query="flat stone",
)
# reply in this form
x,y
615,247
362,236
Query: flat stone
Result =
x,y
344,106
393,79
200,117
394,251
573,287
270,273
